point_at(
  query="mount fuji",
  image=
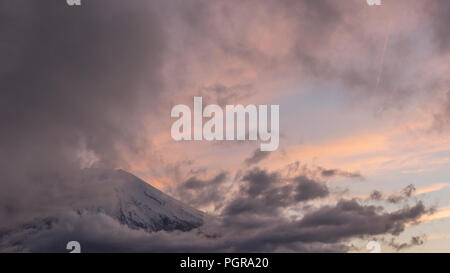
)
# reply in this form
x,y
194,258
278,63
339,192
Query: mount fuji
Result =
x,y
134,202
99,203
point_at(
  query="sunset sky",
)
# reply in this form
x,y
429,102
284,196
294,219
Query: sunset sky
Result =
x,y
363,93
362,89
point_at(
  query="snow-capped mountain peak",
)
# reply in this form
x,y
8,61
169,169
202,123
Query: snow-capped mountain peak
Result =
x,y
133,202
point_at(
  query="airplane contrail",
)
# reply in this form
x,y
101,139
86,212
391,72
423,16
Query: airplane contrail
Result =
x,y
386,43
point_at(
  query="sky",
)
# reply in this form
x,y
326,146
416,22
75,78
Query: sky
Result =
x,y
364,113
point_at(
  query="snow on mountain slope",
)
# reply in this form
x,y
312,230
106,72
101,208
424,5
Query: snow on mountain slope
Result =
x,y
103,209
133,202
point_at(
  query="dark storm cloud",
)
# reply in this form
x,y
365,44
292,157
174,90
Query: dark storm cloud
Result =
x,y
272,185
335,172
333,224
249,219
439,12
71,79
194,183
266,194
202,192
308,189
257,157
257,192
76,73
255,211
259,181
325,229
352,218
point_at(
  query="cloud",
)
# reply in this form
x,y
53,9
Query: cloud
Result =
x,y
267,193
308,189
336,172
255,194
82,82
439,12
441,119
257,211
222,95
326,229
414,241
334,224
376,195
252,218
202,193
349,218
257,157
395,198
